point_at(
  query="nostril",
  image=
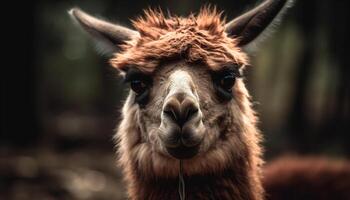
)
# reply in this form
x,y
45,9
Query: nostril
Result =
x,y
170,113
189,108
172,109
191,111
180,112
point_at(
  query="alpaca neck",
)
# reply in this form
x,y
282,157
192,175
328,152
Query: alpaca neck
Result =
x,y
229,184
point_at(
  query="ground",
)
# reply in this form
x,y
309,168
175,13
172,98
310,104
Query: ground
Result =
x,y
44,173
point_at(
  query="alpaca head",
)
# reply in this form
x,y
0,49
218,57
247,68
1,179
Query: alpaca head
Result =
x,y
187,99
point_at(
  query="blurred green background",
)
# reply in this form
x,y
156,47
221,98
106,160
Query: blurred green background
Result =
x,y
60,99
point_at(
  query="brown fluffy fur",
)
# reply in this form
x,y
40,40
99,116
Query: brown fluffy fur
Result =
x,y
197,38
228,162
228,166
295,178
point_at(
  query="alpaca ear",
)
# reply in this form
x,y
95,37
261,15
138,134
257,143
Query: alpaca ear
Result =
x,y
107,35
253,26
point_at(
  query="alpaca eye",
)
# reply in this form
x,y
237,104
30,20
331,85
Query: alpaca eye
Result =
x,y
138,86
227,82
224,80
141,88
140,83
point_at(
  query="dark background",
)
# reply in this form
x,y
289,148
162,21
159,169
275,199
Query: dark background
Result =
x,y
60,100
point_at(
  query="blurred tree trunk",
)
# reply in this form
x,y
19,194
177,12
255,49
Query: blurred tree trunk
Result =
x,y
297,121
335,128
337,123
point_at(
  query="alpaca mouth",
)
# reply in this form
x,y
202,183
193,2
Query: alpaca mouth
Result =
x,y
183,152
182,144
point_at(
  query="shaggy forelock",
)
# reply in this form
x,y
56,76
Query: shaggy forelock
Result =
x,y
197,38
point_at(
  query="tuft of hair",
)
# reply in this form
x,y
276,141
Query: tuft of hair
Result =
x,y
154,22
197,38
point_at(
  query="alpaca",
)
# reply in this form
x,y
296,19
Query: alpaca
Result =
x,y
188,129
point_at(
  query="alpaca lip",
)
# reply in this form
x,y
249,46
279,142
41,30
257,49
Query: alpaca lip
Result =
x,y
177,137
183,152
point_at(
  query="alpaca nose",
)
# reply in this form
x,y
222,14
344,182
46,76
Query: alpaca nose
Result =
x,y
180,108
